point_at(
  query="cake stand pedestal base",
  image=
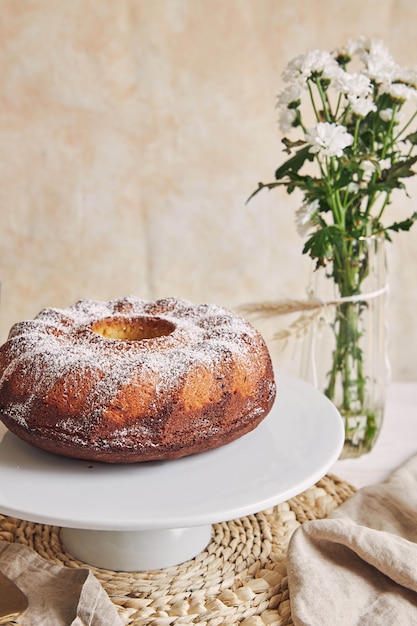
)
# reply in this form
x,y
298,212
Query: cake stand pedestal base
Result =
x,y
136,550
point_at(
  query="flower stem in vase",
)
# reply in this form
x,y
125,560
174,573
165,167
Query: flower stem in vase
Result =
x,y
351,379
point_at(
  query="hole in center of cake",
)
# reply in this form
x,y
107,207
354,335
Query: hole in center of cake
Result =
x,y
135,329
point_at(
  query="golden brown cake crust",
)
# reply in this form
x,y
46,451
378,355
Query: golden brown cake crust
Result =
x,y
132,380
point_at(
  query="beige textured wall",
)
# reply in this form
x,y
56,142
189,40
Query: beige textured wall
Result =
x,y
131,134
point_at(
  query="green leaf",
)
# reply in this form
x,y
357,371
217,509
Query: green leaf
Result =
x,y
295,163
344,179
289,145
321,244
412,138
404,224
260,187
402,169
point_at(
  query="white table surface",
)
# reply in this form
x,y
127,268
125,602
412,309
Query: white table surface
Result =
x,y
396,443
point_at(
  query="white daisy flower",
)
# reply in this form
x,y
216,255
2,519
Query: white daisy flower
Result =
x,y
314,62
292,93
388,114
380,67
406,75
354,85
399,92
361,106
304,217
329,139
286,119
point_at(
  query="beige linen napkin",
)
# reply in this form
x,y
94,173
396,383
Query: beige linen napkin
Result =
x,y
359,566
58,596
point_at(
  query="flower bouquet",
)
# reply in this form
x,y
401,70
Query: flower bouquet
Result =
x,y
355,147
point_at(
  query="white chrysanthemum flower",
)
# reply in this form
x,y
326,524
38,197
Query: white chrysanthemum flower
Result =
x,y
352,47
355,85
371,45
380,67
292,93
399,92
355,46
388,114
379,70
406,75
314,62
329,139
361,106
304,217
286,119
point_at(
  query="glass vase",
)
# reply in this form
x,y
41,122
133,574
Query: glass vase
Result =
x,y
345,351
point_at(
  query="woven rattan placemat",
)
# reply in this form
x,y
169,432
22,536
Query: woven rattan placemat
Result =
x,y
241,578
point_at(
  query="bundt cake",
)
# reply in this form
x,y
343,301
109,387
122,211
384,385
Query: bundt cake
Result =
x,y
132,380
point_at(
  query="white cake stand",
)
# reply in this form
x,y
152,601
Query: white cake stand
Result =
x,y
153,515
